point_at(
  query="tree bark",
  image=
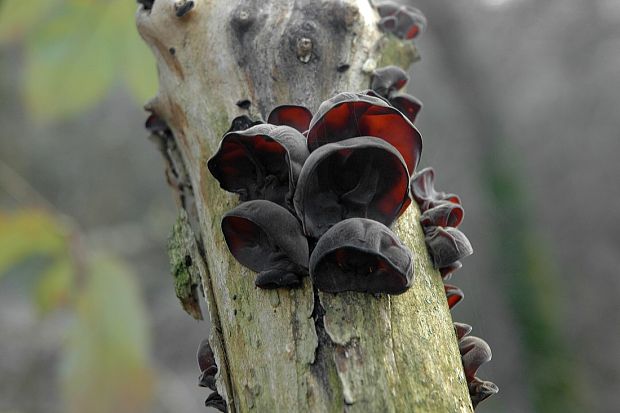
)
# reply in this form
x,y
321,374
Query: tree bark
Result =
x,y
295,350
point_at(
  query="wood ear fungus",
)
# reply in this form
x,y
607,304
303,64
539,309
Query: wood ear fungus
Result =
x,y
207,365
361,255
268,239
423,190
409,105
449,270
388,80
447,245
474,353
349,115
461,330
216,401
404,22
358,177
454,295
241,123
297,117
262,162
480,390
447,214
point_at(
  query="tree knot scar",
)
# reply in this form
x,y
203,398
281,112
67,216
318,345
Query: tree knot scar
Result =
x,y
182,7
304,49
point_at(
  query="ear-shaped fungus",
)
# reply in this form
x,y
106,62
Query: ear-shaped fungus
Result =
x,y
454,295
361,255
409,105
242,122
387,80
447,214
409,21
474,353
297,117
461,330
447,271
216,401
268,239
423,190
208,367
447,245
262,162
349,115
480,390
359,177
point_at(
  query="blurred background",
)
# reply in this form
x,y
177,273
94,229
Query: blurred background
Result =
x,y
521,118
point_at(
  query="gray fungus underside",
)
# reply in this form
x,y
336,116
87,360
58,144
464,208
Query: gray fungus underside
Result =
x,y
280,350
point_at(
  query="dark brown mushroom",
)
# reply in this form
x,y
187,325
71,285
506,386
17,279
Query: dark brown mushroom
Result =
x,y
241,123
216,401
447,214
361,255
409,21
423,190
454,295
207,365
297,117
358,177
449,270
461,330
409,105
262,162
480,390
474,353
447,245
349,115
157,126
387,80
268,239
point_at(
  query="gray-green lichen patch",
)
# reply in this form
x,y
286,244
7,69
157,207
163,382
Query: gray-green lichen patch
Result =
x,y
394,51
186,265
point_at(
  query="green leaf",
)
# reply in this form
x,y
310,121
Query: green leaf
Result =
x,y
107,357
17,17
72,60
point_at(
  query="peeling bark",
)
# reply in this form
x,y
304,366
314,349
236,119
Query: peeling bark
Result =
x,y
294,350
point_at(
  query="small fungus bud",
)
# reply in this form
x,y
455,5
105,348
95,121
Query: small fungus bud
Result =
x,y
447,245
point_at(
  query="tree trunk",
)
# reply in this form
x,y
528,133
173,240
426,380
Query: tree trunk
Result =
x,y
295,350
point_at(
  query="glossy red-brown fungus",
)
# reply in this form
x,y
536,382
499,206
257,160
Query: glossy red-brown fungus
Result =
x,y
207,365
216,401
423,190
447,245
461,330
410,22
361,255
268,239
349,115
480,390
448,271
409,105
359,177
474,353
387,80
262,162
454,295
297,117
447,214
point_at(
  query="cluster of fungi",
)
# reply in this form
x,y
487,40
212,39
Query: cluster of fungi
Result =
x,y
319,193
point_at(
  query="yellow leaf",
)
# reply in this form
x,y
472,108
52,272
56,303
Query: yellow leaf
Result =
x,y
55,286
106,363
27,233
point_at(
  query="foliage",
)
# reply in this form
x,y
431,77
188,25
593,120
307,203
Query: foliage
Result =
x,y
105,361
75,51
